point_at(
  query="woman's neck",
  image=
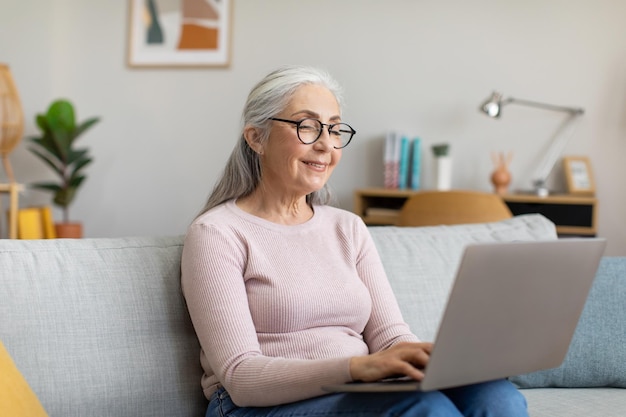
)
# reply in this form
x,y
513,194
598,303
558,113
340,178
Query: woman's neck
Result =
x,y
282,210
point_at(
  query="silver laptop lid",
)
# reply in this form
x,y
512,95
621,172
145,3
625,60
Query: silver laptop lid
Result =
x,y
513,309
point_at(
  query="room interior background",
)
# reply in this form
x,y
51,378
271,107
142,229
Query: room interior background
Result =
x,y
421,67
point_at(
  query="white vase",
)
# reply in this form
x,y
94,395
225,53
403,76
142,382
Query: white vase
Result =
x,y
443,173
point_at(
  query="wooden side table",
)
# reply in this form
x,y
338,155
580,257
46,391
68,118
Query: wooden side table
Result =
x,y
13,189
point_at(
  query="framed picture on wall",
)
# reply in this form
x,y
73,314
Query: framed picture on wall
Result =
x,y
578,175
179,33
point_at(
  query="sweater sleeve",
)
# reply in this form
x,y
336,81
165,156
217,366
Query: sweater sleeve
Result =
x,y
212,280
386,325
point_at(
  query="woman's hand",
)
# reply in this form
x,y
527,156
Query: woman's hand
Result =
x,y
402,359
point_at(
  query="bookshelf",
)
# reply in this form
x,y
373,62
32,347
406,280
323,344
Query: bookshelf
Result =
x,y
572,215
380,206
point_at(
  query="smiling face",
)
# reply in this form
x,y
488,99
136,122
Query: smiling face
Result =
x,y
290,168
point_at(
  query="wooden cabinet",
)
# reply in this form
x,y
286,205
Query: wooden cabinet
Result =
x,y
573,215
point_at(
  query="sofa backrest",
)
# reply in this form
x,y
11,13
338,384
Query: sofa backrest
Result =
x,y
421,262
98,327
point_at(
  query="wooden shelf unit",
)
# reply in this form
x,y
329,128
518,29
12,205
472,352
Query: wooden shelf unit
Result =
x,y
573,215
380,206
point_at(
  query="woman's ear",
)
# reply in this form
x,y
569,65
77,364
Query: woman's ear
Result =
x,y
253,137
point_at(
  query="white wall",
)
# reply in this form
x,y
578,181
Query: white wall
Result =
x,y
419,66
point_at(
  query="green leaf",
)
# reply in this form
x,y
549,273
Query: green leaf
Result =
x,y
80,165
61,125
42,122
441,149
64,197
76,181
61,139
75,155
62,113
49,161
48,186
84,127
47,142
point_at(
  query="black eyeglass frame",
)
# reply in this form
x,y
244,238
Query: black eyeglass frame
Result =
x,y
319,134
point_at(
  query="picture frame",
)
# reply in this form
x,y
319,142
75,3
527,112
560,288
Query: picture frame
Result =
x,y
179,33
578,175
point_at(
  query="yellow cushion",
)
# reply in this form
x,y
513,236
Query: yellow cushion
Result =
x,y
16,397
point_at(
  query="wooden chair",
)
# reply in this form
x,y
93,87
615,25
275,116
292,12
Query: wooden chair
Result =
x,y
431,208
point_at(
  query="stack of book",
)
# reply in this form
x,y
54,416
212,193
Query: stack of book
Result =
x,y
402,161
35,223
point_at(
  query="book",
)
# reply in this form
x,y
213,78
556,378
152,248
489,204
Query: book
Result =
x,y
403,165
391,160
47,223
416,163
29,224
35,223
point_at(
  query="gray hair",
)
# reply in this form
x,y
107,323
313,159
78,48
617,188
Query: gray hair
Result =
x,y
267,99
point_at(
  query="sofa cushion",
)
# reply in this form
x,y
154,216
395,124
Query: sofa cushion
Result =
x,y
99,326
575,402
597,354
421,261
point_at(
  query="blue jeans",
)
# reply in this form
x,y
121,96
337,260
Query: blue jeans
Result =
x,y
490,399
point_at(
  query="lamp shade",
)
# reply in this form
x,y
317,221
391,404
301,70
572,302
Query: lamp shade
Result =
x,y
493,105
11,118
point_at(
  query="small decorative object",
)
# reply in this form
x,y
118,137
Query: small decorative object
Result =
x,y
55,147
492,107
501,176
182,33
578,175
443,167
11,119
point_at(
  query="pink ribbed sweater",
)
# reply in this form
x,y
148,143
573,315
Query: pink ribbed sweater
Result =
x,y
279,310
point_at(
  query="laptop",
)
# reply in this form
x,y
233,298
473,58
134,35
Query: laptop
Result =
x,y
512,309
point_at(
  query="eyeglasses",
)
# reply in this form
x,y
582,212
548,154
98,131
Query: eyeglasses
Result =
x,y
310,130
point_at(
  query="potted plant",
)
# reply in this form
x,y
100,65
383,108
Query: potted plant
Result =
x,y
443,166
56,147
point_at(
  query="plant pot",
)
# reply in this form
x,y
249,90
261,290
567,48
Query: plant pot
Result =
x,y
443,173
69,230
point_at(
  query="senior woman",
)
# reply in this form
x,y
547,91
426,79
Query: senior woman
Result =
x,y
287,293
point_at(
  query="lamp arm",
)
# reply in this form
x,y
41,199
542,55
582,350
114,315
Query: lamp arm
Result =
x,y
555,149
570,110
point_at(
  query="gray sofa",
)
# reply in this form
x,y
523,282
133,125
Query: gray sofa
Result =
x,y
98,327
